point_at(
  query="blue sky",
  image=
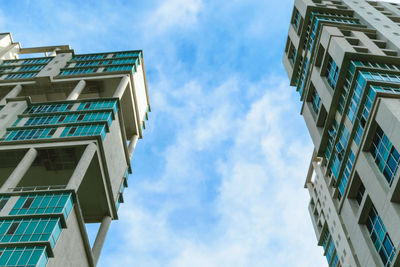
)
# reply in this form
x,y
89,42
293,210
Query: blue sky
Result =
x,y
218,178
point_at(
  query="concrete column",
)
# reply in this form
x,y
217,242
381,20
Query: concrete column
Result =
x,y
81,167
19,172
121,87
13,93
132,145
100,238
77,90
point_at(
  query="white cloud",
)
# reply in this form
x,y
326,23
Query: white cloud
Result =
x,y
174,13
260,204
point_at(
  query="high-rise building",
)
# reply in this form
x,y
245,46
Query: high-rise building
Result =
x,y
69,124
344,59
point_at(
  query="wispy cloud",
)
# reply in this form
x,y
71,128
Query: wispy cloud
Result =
x,y
257,209
174,13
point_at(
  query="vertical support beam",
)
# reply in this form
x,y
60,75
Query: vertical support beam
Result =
x,y
132,145
100,238
121,87
13,93
81,167
77,90
19,172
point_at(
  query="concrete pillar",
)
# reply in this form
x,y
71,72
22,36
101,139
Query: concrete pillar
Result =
x,y
81,167
77,90
13,93
132,145
19,172
100,238
121,87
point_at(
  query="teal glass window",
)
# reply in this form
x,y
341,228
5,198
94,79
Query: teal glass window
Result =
x,y
332,135
340,148
127,54
75,71
21,75
346,174
303,76
330,250
386,156
332,73
35,109
380,237
84,130
87,63
30,230
31,68
343,140
70,118
315,101
28,134
37,60
292,54
88,57
118,68
98,105
34,256
296,18
123,61
43,204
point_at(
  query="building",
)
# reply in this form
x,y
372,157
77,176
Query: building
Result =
x,y
344,59
69,124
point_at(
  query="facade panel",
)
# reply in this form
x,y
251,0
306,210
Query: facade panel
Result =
x,y
68,126
343,58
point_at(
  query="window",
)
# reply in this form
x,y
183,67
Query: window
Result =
x,y
72,130
37,60
34,256
34,109
84,130
315,101
21,75
386,156
98,105
61,119
3,201
70,118
360,193
292,54
27,134
12,228
28,203
332,73
345,174
43,204
52,131
380,237
296,18
330,250
75,71
30,230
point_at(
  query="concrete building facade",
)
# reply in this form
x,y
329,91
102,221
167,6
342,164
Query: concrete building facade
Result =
x,y
69,124
343,56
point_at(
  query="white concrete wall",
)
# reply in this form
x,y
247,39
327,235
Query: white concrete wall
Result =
x,y
69,250
140,91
